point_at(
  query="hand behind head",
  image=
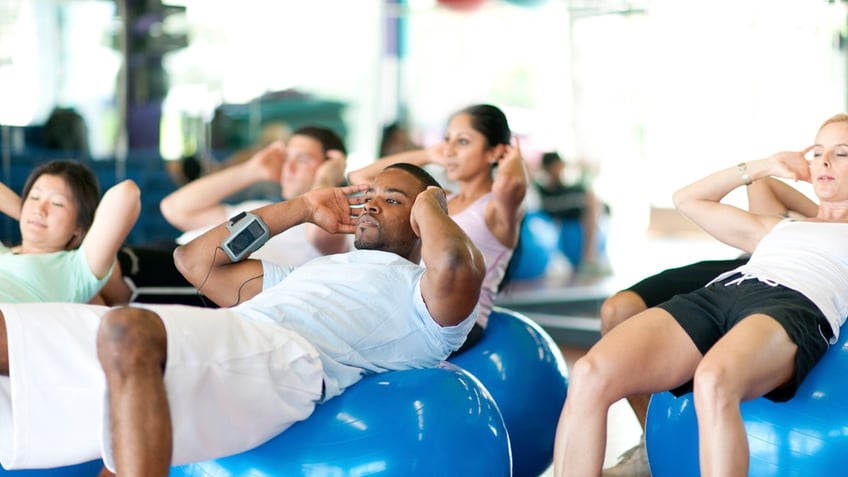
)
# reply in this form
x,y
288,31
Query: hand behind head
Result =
x,y
336,209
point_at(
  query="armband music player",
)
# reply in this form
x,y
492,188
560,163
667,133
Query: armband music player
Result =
x,y
247,233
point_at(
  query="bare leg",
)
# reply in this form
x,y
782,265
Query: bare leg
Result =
x,y
614,310
132,348
753,358
584,415
645,354
619,307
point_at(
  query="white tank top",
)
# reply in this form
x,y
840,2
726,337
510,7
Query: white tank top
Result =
x,y
808,257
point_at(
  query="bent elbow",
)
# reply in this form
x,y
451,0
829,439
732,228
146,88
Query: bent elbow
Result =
x,y
127,196
172,212
679,199
127,192
465,265
185,264
512,187
134,192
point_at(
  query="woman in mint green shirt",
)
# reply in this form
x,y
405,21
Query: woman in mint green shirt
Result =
x,y
69,236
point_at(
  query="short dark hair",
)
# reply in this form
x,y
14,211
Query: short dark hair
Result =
x,y
422,175
82,181
549,158
329,140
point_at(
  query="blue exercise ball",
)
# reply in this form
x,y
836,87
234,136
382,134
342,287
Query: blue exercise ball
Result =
x,y
805,436
422,422
86,469
570,241
524,370
537,243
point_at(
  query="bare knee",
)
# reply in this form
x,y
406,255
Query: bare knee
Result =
x,y
713,387
619,307
591,379
129,339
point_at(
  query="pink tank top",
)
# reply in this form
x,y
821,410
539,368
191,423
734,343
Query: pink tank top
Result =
x,y
472,220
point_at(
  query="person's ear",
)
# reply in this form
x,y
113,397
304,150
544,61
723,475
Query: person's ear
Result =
x,y
76,240
498,153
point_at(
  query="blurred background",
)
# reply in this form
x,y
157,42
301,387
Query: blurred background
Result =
x,y
642,96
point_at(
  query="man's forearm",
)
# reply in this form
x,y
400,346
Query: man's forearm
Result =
x,y
281,216
443,243
198,258
455,267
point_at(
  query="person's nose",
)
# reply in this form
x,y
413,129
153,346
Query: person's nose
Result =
x,y
372,207
450,148
827,158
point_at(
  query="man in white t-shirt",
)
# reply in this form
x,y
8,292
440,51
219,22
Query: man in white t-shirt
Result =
x,y
172,384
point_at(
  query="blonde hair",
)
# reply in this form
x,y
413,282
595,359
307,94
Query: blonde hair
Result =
x,y
836,118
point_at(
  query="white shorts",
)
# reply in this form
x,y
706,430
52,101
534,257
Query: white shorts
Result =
x,y
232,384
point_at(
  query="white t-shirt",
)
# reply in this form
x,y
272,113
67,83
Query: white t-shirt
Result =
x,y
362,310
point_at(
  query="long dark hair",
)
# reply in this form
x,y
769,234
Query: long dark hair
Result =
x,y
83,184
489,121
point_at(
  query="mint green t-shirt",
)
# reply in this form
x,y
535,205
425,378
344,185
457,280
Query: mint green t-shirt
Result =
x,y
47,277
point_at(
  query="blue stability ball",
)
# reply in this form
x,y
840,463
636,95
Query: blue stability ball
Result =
x,y
570,241
524,370
805,436
422,422
538,242
87,469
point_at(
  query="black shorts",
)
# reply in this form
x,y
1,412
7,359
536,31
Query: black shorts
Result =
x,y
674,281
708,313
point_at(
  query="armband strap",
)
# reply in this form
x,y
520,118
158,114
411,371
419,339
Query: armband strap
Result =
x,y
247,233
